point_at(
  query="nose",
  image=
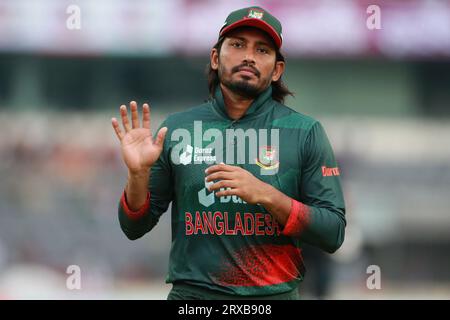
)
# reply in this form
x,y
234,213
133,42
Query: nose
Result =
x,y
249,56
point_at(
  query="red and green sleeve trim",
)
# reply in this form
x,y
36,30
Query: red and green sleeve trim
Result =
x,y
298,219
135,215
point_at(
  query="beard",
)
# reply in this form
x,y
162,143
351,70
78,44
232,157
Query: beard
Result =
x,y
242,87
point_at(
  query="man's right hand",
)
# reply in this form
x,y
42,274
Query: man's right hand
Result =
x,y
139,150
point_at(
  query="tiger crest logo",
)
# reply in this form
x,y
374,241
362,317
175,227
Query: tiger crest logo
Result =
x,y
268,160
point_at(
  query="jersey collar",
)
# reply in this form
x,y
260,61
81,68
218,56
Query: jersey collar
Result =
x,y
258,106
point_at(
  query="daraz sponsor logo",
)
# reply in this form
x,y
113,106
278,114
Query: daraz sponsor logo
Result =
x,y
329,172
208,199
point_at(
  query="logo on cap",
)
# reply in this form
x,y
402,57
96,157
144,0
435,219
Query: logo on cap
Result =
x,y
252,13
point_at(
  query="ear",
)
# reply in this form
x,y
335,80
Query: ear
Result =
x,y
278,70
214,59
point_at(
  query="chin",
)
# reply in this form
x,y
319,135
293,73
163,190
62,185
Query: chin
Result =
x,y
246,78
247,81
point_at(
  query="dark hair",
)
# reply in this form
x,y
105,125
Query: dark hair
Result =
x,y
279,89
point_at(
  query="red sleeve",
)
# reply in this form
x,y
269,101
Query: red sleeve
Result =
x,y
298,219
134,215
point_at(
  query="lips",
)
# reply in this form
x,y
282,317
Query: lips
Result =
x,y
247,70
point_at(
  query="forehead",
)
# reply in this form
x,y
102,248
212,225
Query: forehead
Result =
x,y
251,34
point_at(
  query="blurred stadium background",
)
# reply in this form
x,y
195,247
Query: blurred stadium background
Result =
x,y
383,96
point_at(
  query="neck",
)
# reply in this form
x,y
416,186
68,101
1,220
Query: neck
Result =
x,y
235,105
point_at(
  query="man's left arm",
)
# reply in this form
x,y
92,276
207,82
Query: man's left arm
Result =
x,y
318,217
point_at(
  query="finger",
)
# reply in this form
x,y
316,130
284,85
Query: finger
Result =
x,y
222,184
161,136
228,192
146,116
220,175
124,115
220,167
117,130
134,115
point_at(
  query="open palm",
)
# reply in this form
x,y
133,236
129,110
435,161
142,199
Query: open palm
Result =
x,y
139,150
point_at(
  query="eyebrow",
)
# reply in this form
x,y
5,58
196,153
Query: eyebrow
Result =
x,y
257,42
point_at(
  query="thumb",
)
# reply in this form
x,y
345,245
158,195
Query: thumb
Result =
x,y
161,136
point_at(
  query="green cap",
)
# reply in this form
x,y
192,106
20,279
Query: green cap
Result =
x,y
254,17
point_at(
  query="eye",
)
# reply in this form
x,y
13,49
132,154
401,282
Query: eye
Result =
x,y
263,50
236,44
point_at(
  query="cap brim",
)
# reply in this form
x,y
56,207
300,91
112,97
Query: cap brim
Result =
x,y
257,23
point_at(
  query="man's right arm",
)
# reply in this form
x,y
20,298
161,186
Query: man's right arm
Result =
x,y
136,189
143,200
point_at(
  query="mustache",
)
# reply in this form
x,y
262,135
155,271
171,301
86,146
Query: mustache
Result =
x,y
238,68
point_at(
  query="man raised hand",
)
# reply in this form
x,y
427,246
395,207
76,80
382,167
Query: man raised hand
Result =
x,y
139,151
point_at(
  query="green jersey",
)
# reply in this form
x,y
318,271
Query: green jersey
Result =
x,y
226,244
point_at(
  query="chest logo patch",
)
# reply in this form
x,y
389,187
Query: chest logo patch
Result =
x,y
268,158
